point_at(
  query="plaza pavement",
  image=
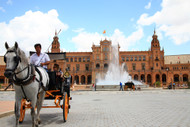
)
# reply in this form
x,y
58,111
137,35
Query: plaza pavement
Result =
x,y
151,108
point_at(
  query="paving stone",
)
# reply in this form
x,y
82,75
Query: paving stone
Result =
x,y
160,108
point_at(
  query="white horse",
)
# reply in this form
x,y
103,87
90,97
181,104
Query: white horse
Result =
x,y
26,81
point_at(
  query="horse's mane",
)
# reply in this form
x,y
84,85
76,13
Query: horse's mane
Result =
x,y
21,54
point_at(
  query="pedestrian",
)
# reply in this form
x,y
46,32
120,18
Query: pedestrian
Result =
x,y
121,87
174,85
38,58
95,86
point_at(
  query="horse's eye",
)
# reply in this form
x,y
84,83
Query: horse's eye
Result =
x,y
15,59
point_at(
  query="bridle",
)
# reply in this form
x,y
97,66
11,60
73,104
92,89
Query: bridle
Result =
x,y
30,75
17,60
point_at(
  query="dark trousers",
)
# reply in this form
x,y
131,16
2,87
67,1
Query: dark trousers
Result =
x,y
121,88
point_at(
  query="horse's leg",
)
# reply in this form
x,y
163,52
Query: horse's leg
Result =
x,y
39,105
17,111
33,103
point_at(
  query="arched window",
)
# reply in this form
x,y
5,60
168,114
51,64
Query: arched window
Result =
x,y
97,65
105,65
157,77
176,78
164,78
185,78
135,77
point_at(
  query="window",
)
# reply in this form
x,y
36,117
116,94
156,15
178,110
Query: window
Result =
x,y
75,59
79,59
105,65
144,58
106,57
97,57
135,58
83,59
71,59
127,59
87,67
143,66
69,67
123,58
134,66
131,58
104,49
97,65
88,59
77,67
156,64
139,58
67,60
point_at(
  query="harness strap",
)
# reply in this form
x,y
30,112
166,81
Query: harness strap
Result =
x,y
25,97
28,79
40,81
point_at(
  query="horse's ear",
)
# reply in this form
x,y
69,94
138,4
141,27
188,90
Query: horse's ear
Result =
x,y
6,45
16,45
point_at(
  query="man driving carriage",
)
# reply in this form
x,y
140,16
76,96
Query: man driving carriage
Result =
x,y
38,58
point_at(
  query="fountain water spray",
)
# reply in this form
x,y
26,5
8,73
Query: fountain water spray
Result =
x,y
115,73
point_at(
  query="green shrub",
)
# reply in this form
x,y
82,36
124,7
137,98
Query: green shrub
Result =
x,y
158,84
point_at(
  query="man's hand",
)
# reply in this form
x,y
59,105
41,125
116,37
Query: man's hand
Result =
x,y
41,64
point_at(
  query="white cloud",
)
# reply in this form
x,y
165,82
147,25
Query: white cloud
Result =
x,y
173,20
2,9
84,40
31,28
9,2
79,30
148,5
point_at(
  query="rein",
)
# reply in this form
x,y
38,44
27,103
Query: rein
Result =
x,y
28,79
22,70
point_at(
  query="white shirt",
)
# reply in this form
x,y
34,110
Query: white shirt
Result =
x,y
37,60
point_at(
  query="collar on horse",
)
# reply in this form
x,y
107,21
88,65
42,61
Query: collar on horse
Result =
x,y
28,79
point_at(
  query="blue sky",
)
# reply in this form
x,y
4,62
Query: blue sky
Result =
x,y
129,23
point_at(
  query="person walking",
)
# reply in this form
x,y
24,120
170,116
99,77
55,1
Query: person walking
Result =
x,y
121,87
174,85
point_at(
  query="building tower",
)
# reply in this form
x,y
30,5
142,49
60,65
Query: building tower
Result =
x,y
157,56
55,48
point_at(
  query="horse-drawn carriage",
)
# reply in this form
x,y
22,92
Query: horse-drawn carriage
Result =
x,y
130,85
33,83
58,91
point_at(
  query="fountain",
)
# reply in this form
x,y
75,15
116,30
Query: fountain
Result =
x,y
115,73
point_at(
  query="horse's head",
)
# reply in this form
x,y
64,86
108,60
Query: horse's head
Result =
x,y
12,59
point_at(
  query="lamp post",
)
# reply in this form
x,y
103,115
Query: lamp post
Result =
x,y
144,73
167,75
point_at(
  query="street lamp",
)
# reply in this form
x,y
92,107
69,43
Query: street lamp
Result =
x,y
167,75
144,73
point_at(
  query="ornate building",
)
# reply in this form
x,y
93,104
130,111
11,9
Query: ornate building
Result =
x,y
146,66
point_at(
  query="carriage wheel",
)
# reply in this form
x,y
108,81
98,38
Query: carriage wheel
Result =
x,y
22,111
65,107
